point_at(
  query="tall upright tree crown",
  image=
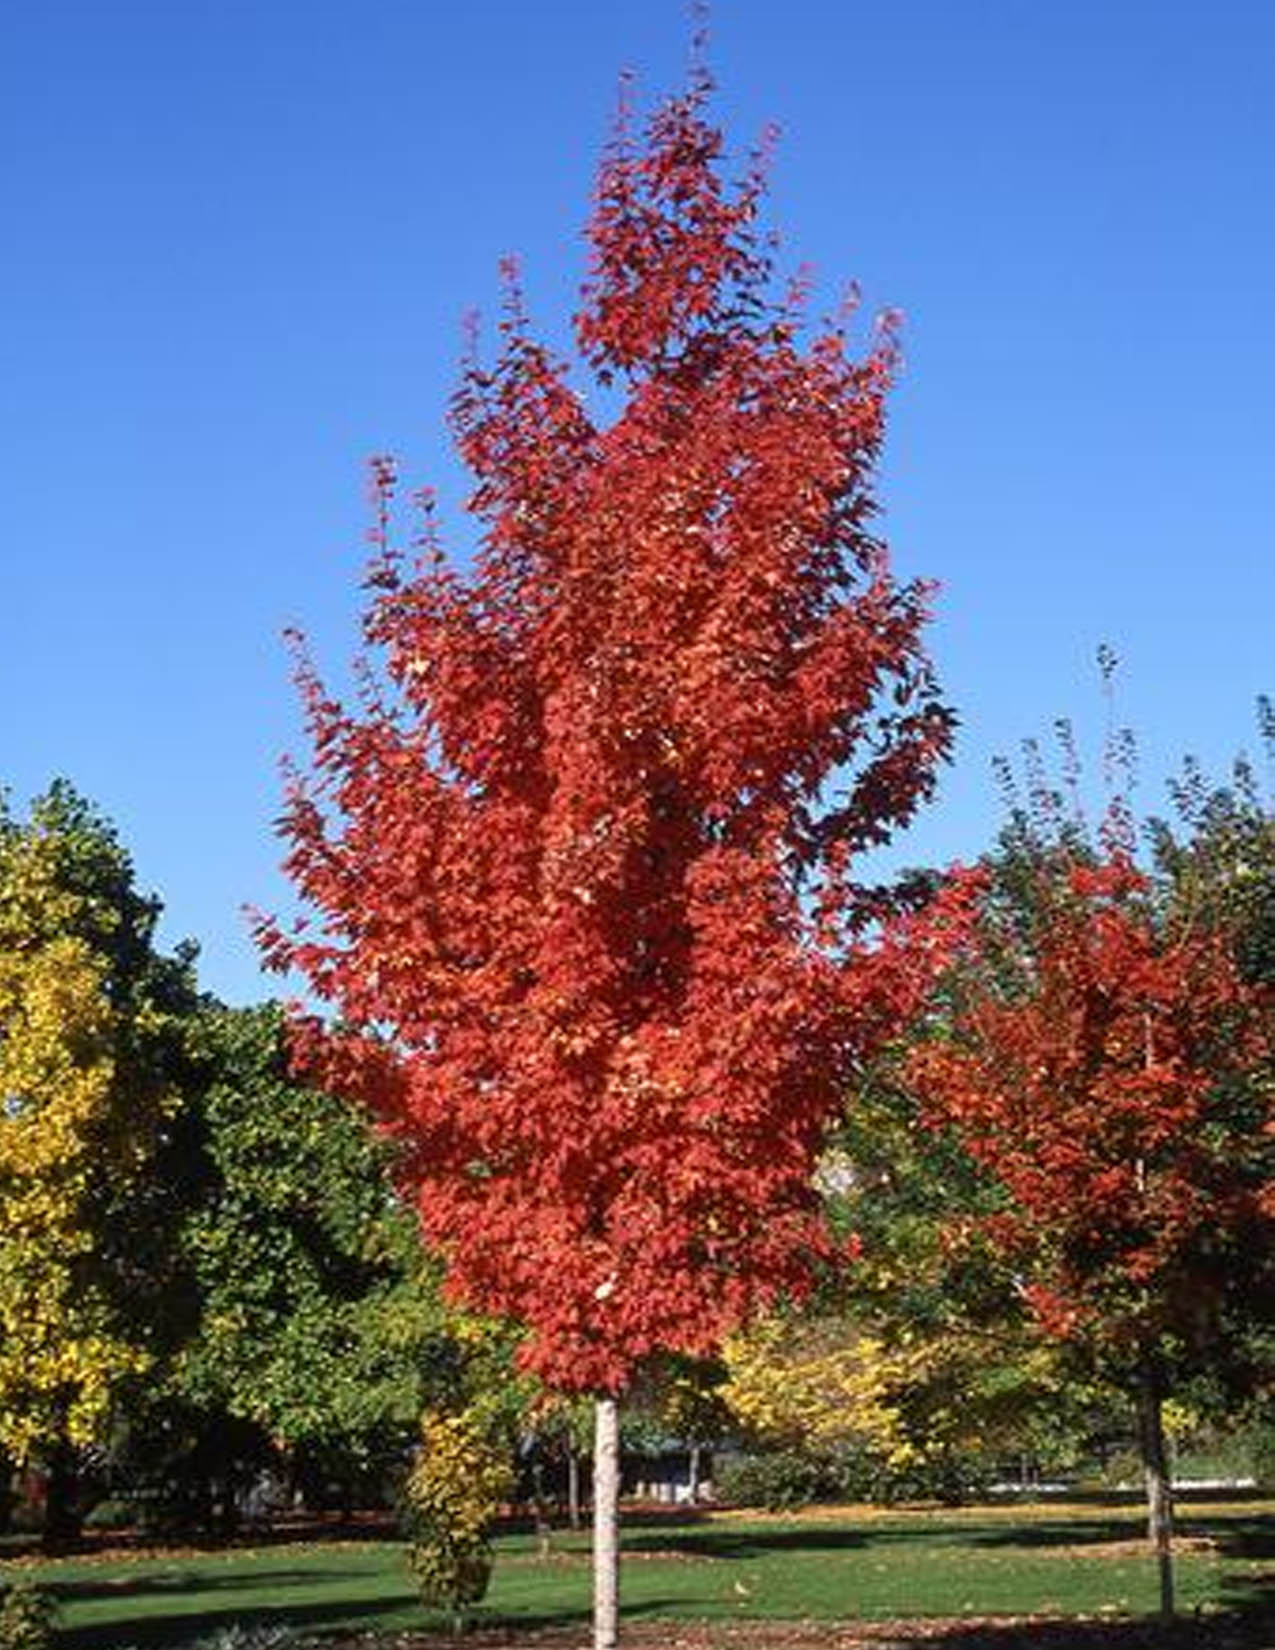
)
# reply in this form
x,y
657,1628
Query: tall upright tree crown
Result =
x,y
586,855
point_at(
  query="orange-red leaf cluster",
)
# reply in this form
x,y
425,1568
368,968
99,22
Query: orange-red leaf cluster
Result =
x,y
1105,1068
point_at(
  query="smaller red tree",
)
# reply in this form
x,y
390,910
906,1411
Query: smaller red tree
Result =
x,y
1100,1065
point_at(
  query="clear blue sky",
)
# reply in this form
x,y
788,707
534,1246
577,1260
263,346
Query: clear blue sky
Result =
x,y
240,236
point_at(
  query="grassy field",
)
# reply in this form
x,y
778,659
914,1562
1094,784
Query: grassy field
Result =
x,y
1077,1561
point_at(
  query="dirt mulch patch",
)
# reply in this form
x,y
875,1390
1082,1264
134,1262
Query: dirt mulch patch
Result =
x,y
1209,1632
1132,1547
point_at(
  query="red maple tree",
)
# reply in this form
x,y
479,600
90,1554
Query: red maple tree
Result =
x,y
585,857
1099,1062
1096,1081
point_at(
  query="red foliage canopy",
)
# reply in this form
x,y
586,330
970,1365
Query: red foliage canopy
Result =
x,y
1107,1072
588,916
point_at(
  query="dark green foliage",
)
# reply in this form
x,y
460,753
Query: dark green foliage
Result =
x,y
779,1481
177,1468
302,1328
318,1319
783,1480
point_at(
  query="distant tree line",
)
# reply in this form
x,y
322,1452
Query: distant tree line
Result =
x,y
1057,1189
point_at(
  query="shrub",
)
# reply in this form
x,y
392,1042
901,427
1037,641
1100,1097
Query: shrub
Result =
x,y
779,1480
1261,1444
450,1499
114,1513
27,1617
1121,1469
783,1479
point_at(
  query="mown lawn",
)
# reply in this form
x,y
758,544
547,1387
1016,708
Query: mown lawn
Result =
x,y
850,1564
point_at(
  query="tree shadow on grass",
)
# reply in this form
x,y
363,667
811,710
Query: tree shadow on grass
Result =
x,y
292,1531
155,1631
184,1581
1249,1539
726,1543
1245,1629
1086,1532
1249,1592
643,1517
159,1629
1248,1629
732,1543
166,1632
1249,1536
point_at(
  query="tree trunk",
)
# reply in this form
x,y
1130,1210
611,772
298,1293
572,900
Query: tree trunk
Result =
x,y
573,1486
540,1511
692,1473
606,1525
8,1497
228,1512
62,1518
1159,1494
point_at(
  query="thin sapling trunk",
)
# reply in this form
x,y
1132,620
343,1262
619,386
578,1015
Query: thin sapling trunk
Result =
x,y
606,1525
1159,1490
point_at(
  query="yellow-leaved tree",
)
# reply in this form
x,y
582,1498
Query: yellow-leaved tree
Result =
x,y
817,1384
91,1061
892,1412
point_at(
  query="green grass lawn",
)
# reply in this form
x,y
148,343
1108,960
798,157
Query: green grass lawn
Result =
x,y
848,1564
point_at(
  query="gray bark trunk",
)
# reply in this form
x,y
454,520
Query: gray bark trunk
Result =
x,y
606,1525
540,1511
573,1486
1159,1492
